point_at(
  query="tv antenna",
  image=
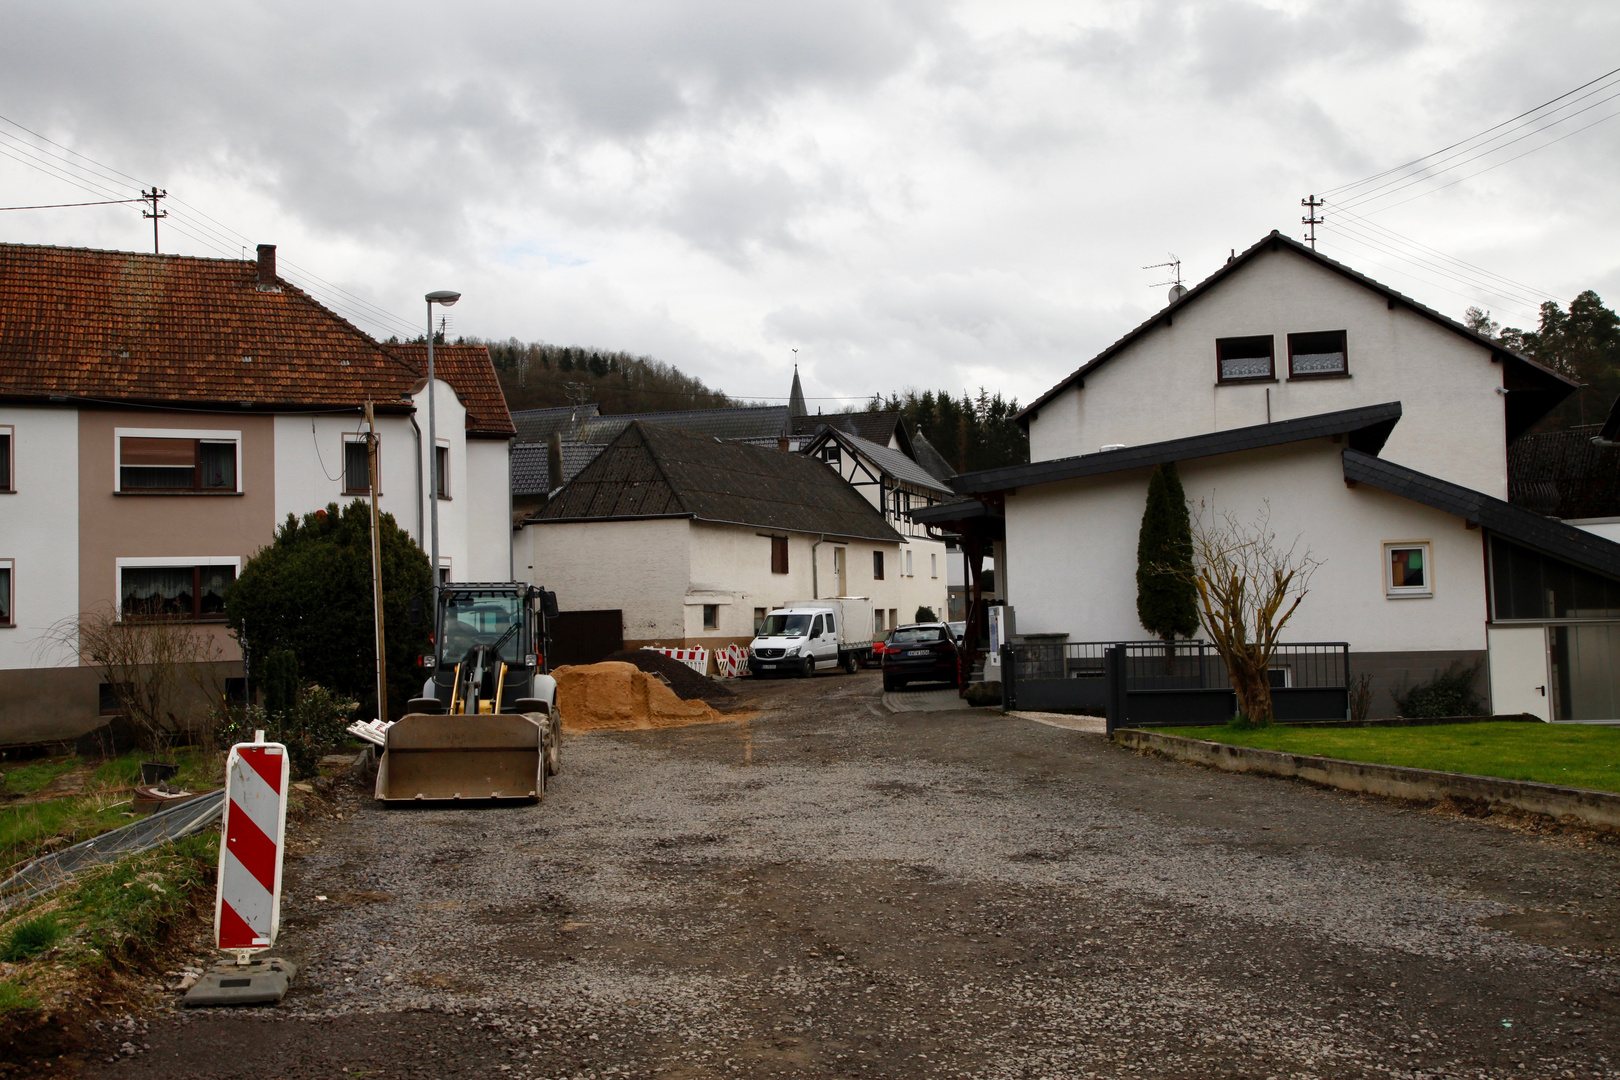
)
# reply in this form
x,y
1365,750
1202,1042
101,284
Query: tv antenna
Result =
x,y
1177,289
1313,204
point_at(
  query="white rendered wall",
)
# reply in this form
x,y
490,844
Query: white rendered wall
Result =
x,y
488,506
1073,546
1608,528
39,533
309,466
451,424
638,567
1164,385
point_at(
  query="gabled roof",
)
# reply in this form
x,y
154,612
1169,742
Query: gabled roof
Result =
x,y
930,458
878,427
117,326
531,470
1565,474
536,425
758,422
1513,522
1367,426
892,463
471,374
652,472
1533,388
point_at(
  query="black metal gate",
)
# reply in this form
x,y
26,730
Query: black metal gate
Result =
x,y
1152,684
585,637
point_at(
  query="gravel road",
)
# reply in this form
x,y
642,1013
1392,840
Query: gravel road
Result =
x,y
831,890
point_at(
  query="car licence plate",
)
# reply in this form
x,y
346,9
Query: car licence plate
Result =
x,y
765,667
920,652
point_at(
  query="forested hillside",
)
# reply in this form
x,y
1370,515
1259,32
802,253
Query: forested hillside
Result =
x,y
535,375
1582,342
971,432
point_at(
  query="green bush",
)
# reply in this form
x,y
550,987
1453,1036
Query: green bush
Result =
x,y
1449,693
926,614
31,938
309,728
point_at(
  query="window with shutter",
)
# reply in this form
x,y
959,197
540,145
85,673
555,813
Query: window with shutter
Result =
x,y
164,464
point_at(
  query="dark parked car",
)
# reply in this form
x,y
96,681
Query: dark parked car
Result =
x,y
921,652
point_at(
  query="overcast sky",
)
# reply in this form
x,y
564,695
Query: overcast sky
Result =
x,y
930,194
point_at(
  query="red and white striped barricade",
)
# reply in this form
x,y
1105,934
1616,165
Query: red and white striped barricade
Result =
x,y
247,902
731,661
696,659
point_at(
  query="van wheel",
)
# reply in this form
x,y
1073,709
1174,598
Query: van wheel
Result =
x,y
849,663
808,668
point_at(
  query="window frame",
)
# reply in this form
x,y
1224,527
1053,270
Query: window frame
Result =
x,y
933,564
1239,380
359,439
779,555
1344,351
8,615
442,476
1408,592
195,435
173,562
877,565
8,467
711,616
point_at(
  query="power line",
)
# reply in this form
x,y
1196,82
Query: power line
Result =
x,y
64,205
1394,236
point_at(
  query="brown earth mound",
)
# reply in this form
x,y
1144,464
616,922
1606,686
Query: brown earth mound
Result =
x,y
686,683
617,696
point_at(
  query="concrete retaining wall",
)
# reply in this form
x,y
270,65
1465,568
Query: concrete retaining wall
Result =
x,y
1593,807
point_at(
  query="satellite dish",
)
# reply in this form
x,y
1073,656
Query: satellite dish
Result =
x,y
1177,292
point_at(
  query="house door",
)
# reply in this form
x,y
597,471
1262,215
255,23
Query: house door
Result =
x,y
1519,676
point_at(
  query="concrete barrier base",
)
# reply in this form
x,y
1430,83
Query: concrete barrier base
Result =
x,y
1395,781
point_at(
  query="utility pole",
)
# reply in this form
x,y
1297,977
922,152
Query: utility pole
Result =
x,y
1313,204
153,196
376,564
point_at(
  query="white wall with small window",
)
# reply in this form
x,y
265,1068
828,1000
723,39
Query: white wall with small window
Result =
x,y
1409,569
39,533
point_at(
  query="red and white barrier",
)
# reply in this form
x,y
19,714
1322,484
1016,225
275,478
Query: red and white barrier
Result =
x,y
247,902
696,659
731,661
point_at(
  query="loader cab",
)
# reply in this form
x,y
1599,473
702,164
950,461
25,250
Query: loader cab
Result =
x,y
502,625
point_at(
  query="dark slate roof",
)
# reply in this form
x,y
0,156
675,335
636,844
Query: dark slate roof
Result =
x,y
892,463
1367,426
1532,388
878,427
1611,426
960,510
1564,474
536,425
531,473
651,471
757,422
929,458
1504,519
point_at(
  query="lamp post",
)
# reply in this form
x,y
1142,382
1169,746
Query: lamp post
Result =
x,y
444,298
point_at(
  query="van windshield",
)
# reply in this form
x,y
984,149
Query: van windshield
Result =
x,y
780,625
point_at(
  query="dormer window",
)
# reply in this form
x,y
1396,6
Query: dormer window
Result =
x,y
1317,355
1245,359
831,453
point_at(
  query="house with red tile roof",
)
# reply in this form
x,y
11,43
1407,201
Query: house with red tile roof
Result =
x,y
160,415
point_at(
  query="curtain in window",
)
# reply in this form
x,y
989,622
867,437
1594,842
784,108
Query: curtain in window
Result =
x,y
5,461
219,465
356,467
162,590
215,580
5,594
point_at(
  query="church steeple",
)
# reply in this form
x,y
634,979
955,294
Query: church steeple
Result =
x,y
796,406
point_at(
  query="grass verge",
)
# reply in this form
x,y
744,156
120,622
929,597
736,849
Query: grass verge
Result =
x,y
1569,755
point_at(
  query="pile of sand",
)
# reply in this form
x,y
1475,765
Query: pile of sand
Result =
x,y
619,696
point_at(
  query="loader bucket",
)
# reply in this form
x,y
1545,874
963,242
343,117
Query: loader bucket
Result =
x,y
445,757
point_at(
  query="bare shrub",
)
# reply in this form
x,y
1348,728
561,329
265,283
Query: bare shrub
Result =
x,y
1249,586
151,664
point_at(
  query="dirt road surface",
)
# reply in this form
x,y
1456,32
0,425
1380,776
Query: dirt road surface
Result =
x,y
829,890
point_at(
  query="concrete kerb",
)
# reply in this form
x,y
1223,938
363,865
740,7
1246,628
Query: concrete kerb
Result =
x,y
1395,781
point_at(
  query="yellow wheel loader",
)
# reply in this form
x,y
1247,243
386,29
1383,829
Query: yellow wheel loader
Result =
x,y
486,726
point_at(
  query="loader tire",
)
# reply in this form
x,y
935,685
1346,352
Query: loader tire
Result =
x,y
554,750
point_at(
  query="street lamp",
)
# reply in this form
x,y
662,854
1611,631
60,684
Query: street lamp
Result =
x,y
444,298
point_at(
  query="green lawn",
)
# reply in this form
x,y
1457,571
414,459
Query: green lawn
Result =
x,y
1572,755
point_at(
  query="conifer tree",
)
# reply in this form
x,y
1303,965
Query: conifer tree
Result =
x,y
1166,598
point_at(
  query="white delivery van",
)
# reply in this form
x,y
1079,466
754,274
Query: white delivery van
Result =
x,y
806,636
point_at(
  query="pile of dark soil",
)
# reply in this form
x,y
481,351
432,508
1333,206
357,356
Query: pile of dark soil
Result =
x,y
687,684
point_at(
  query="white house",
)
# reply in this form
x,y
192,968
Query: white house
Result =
x,y
161,415
688,540
1371,428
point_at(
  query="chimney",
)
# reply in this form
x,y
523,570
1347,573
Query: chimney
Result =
x,y
267,268
783,443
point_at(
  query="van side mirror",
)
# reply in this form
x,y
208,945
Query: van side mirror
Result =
x,y
413,611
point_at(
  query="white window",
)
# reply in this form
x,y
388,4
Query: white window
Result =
x,y
441,469
933,566
1408,569
711,616
357,466
162,461
7,576
183,588
8,438
908,563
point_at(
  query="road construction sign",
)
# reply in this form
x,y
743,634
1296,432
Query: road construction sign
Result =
x,y
247,903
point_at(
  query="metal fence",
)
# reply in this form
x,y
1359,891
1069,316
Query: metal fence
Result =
x,y
1152,683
